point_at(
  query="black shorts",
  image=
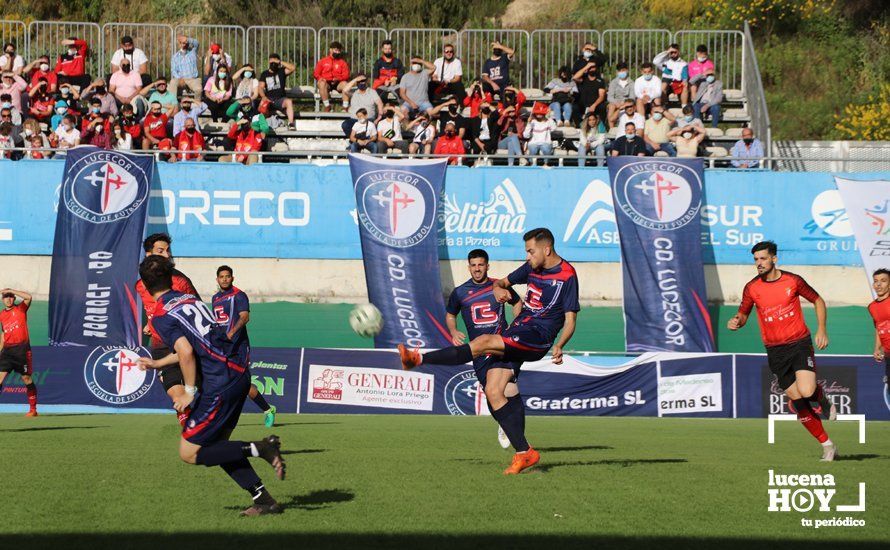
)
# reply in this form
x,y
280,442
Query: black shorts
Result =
x,y
16,359
481,365
525,342
170,376
785,360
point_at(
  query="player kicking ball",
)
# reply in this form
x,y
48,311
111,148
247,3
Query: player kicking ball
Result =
x,y
879,310
482,314
789,347
232,308
551,304
200,345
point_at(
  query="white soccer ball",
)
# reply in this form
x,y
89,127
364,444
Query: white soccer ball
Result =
x,y
366,320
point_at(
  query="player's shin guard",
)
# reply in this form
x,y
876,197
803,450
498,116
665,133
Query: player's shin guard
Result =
x,y
454,355
32,395
223,452
810,419
246,477
511,417
260,402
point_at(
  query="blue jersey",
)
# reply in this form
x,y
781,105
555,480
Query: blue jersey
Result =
x,y
481,312
551,293
219,360
227,306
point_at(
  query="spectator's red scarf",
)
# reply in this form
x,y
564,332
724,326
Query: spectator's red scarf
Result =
x,y
186,142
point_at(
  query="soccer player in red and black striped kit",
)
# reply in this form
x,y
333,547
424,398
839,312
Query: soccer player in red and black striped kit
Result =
x,y
789,347
15,343
879,310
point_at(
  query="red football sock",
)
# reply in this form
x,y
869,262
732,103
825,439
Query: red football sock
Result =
x,y
810,420
32,396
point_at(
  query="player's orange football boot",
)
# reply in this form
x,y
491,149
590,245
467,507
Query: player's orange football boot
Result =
x,y
522,461
31,413
409,358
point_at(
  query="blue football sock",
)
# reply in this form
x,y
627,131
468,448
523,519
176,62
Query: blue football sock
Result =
x,y
246,477
222,452
511,417
454,355
261,402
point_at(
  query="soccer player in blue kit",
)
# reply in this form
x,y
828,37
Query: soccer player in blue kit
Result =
x,y
232,308
550,306
200,344
482,314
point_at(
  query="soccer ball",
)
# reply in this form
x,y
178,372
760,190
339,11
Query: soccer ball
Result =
x,y
366,320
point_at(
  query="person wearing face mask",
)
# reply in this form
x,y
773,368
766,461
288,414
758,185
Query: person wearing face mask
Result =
x,y
60,109
190,142
388,71
563,91
476,98
630,114
538,133
450,112
674,74
589,54
218,92
14,86
97,132
137,58
158,91
496,69
446,76
71,97
154,127
125,84
708,98
688,118
184,66
687,140
389,131
191,109
215,57
332,74
41,102
591,91
71,64
40,68
363,135
246,83
621,90
98,90
246,134
67,135
484,132
121,140
130,124
11,61
698,68
647,88
748,151
414,89
244,110
628,143
14,114
361,96
655,132
424,134
451,144
273,87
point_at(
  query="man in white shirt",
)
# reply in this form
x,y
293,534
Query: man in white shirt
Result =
x,y
389,131
647,88
630,114
674,74
137,57
10,60
446,76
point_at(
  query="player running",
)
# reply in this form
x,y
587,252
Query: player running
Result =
x,y
15,343
482,314
158,244
789,347
232,308
880,313
551,304
201,347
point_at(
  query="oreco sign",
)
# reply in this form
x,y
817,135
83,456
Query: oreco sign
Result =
x,y
219,207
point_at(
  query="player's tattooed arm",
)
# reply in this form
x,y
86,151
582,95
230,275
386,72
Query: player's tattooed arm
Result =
x,y
568,330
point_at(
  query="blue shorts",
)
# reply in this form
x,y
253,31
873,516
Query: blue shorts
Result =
x,y
525,342
481,365
216,413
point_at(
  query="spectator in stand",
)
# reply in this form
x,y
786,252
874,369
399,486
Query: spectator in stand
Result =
x,y
511,125
589,53
246,135
6,116
647,89
424,134
687,140
41,102
476,98
496,69
364,97
389,131
246,83
7,141
674,74
446,74
184,66
593,140
154,127
40,68
35,144
137,58
563,91
630,114
450,112
698,68
15,114
414,90
215,57
332,74
483,130
538,133
97,132
748,151
160,92
94,113
388,71
121,140
218,92
245,109
11,61
621,90
708,97
189,109
71,97
67,134
273,87
130,124
450,143
125,84
689,118
655,132
363,134
190,143
591,90
59,111
629,143
15,86
71,65
98,90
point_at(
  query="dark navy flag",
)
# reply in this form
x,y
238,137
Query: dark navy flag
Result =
x,y
396,205
97,249
658,210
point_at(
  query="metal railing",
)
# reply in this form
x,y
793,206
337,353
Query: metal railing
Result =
x,y
361,45
725,49
553,48
15,32
297,45
155,40
231,39
426,43
752,88
475,48
635,46
45,38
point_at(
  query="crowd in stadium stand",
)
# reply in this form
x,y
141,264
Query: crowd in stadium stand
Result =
x,y
416,106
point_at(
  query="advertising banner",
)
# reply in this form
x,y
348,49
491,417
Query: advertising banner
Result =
x,y
658,208
867,204
97,247
397,203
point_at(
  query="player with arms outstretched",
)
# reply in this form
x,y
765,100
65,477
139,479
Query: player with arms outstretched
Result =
x,y
200,345
482,314
789,347
879,310
551,304
15,343
232,308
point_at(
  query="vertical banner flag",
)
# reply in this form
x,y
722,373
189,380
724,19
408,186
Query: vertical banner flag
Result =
x,y
397,217
658,210
868,209
97,248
